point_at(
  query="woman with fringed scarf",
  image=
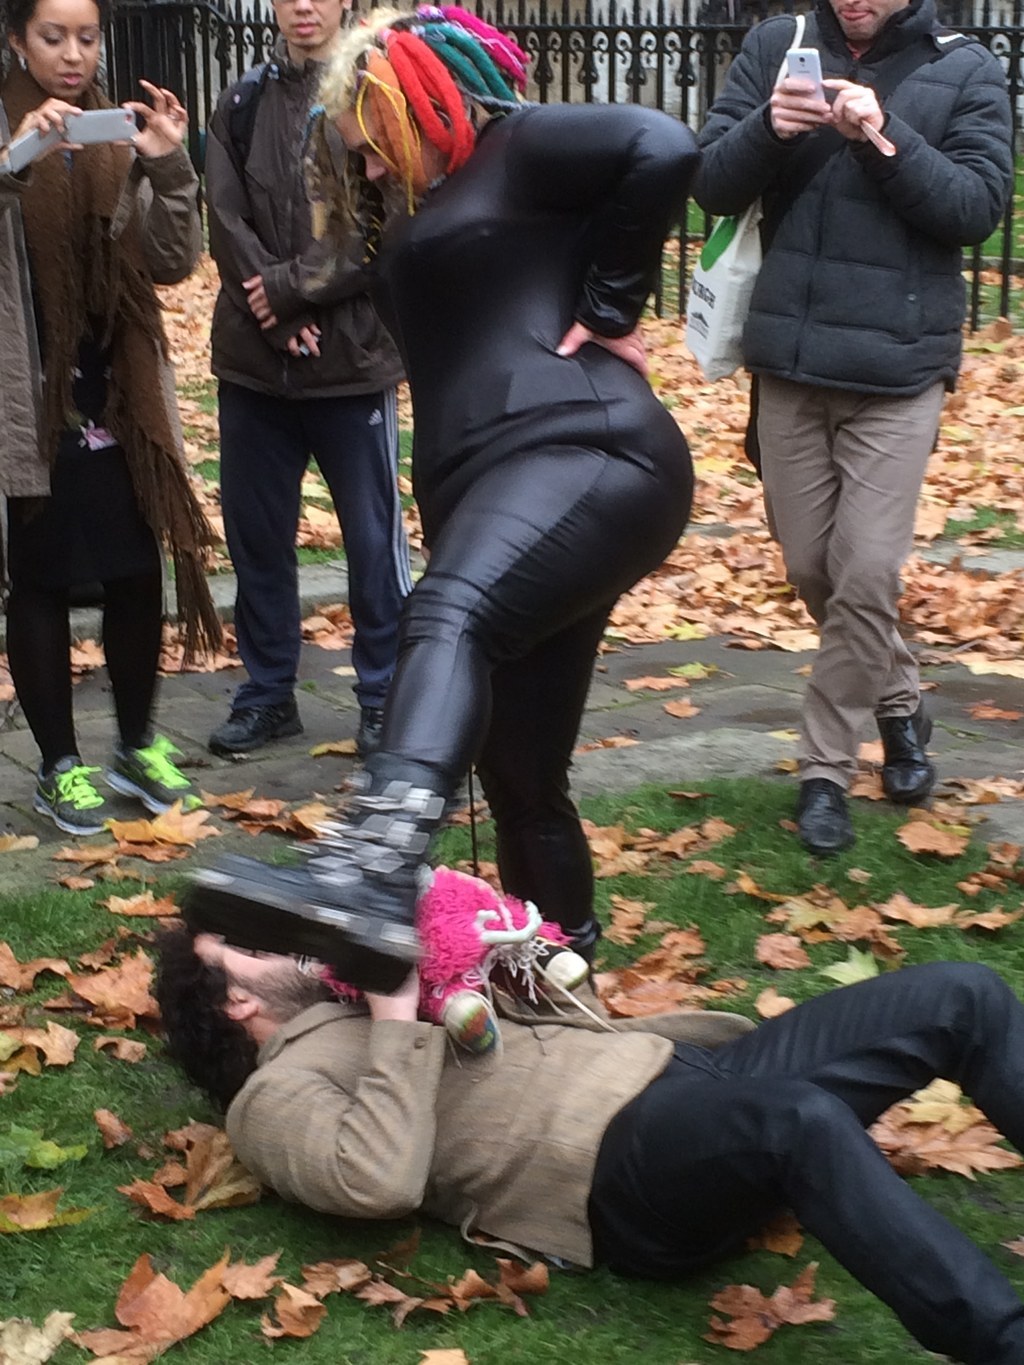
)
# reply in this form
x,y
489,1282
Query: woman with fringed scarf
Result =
x,y
93,465
512,272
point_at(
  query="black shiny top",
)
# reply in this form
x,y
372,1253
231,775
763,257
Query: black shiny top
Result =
x,y
559,215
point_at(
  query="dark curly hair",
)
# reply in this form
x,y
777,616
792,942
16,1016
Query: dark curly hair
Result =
x,y
215,1052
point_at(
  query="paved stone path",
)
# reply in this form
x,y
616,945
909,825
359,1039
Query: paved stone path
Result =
x,y
748,711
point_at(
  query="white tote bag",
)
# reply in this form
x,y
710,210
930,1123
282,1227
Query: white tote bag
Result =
x,y
723,281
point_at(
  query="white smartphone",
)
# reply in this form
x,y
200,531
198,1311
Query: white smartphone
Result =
x,y
101,125
26,148
803,63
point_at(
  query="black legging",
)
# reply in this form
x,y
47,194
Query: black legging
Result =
x,y
722,1140
499,638
39,645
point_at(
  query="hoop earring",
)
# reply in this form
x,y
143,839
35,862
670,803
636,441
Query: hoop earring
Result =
x,y
22,61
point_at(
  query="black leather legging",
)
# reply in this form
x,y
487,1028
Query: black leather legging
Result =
x,y
499,638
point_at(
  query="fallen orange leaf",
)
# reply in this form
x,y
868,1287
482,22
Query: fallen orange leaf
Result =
x,y
626,919
119,995
782,1236
155,1200
987,710
20,976
755,1318
770,1004
335,1277
32,1212
114,1131
901,907
784,952
298,1314
124,1049
658,684
143,904
255,1281
922,836
682,709
57,1043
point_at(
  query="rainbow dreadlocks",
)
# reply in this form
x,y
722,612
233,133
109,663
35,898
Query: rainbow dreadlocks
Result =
x,y
412,78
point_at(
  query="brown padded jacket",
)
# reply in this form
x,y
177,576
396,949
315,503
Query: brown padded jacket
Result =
x,y
260,224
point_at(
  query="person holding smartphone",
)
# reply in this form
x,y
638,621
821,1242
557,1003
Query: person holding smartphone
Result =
x,y
91,462
870,187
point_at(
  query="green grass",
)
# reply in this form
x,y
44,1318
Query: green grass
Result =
x,y
334,554
590,1320
202,393
987,519
994,246
208,469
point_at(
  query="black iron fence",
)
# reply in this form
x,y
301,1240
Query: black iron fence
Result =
x,y
667,54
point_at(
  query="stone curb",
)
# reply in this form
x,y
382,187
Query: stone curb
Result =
x,y
320,584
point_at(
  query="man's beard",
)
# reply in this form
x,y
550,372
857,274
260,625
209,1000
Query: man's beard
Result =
x,y
289,993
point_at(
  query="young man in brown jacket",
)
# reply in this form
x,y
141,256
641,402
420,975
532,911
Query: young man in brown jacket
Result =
x,y
651,1156
305,368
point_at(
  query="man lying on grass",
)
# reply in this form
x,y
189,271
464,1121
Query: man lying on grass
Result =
x,y
649,1156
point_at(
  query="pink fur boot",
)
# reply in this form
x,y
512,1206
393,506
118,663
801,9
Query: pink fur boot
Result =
x,y
469,931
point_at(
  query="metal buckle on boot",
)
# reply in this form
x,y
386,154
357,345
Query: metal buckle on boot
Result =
x,y
401,935
209,876
395,833
332,915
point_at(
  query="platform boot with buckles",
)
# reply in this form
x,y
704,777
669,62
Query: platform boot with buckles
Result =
x,y
353,904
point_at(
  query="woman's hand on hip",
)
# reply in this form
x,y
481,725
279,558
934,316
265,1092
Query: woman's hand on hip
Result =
x,y
630,348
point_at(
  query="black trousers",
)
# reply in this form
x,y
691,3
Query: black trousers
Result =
x,y
723,1140
499,637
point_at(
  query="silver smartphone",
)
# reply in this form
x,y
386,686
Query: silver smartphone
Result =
x,y
86,129
27,148
803,63
101,125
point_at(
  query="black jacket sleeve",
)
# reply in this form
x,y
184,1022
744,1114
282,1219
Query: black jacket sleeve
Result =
x,y
741,155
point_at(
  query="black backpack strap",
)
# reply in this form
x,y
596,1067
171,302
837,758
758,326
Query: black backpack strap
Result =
x,y
242,109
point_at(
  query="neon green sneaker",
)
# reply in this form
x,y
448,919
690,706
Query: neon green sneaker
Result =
x,y
67,795
151,775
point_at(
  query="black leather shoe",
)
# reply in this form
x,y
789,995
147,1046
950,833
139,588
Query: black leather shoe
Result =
x,y
371,725
250,727
907,774
823,821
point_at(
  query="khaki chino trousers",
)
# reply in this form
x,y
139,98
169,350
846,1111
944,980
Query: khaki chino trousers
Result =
x,y
842,474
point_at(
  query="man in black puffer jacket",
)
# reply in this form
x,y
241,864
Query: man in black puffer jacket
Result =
x,y
854,335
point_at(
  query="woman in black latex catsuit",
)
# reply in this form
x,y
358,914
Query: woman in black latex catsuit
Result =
x,y
548,476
